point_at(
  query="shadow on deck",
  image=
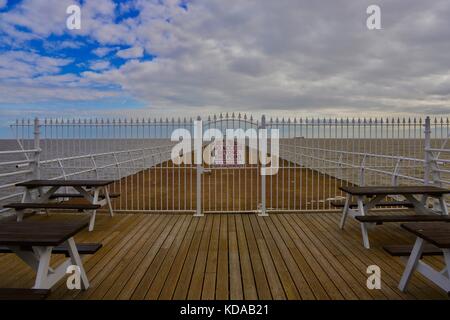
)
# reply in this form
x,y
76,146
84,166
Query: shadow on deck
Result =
x,y
233,256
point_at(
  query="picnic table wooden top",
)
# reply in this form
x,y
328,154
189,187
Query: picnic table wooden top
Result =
x,y
393,190
40,233
64,183
437,233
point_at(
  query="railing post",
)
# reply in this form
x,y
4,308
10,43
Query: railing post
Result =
x,y
263,209
94,164
428,155
198,138
119,176
395,173
37,154
340,173
362,172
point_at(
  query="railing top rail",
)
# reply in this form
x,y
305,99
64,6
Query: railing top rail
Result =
x,y
19,151
361,153
437,150
105,154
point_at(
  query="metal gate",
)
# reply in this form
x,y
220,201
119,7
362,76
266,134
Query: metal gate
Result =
x,y
231,186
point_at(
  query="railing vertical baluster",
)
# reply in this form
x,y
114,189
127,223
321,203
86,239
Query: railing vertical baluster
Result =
x,y
37,153
428,155
198,160
263,156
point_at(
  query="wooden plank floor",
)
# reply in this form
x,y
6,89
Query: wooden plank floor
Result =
x,y
232,256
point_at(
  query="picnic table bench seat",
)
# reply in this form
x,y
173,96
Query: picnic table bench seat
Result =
x,y
393,190
380,219
83,249
23,294
341,204
404,250
77,195
52,205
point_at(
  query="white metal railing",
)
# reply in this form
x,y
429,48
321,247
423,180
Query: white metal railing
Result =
x,y
362,166
95,167
319,155
11,176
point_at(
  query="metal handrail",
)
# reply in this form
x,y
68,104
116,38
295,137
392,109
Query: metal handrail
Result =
x,y
358,166
359,153
19,151
102,154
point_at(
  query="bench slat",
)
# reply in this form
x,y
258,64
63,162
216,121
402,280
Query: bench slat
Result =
x,y
77,195
23,294
379,219
64,183
405,250
394,190
83,248
340,204
52,205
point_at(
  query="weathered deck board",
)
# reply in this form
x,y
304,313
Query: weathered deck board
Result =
x,y
232,256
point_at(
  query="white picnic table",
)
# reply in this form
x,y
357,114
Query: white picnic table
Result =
x,y
33,242
379,193
90,190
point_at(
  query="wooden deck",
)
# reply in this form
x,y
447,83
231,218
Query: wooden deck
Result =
x,y
231,256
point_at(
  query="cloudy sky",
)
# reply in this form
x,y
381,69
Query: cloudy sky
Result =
x,y
184,57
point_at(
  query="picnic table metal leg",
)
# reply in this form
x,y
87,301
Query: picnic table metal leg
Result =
x,y
45,196
364,232
443,205
94,212
423,200
345,211
76,260
39,260
419,206
446,270
441,278
27,197
45,254
412,263
19,215
41,195
108,200
29,258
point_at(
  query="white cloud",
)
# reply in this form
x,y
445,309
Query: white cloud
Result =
x,y
23,65
3,3
131,53
42,17
261,55
102,51
100,65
